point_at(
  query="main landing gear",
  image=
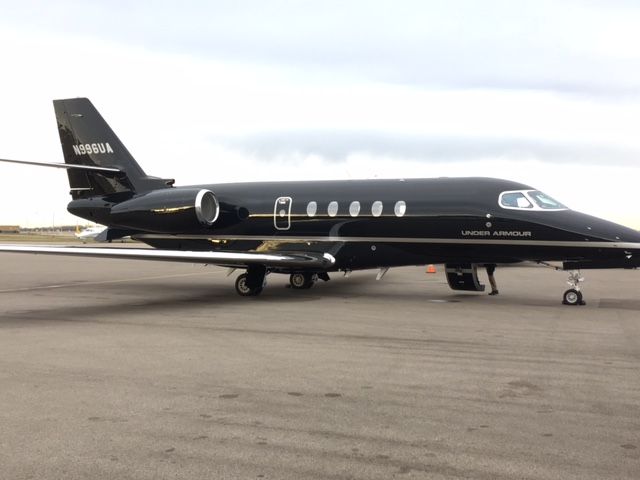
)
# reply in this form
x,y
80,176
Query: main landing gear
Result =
x,y
573,296
302,281
252,283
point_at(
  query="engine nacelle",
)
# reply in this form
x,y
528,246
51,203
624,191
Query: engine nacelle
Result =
x,y
170,210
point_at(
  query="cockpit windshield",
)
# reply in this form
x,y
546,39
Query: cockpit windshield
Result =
x,y
529,200
545,201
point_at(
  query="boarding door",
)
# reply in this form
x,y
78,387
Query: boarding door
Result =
x,y
282,213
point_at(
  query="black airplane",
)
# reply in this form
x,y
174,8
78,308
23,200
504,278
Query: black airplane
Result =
x,y
310,229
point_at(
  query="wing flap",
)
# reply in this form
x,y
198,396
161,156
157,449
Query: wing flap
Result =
x,y
235,259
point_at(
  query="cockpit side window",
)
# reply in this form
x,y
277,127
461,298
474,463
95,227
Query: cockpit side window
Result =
x,y
515,200
529,200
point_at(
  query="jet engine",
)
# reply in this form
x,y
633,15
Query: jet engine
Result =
x,y
170,210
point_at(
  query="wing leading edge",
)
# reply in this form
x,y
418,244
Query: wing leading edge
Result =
x,y
303,260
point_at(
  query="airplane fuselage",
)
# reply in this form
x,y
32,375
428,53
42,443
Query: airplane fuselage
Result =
x,y
374,223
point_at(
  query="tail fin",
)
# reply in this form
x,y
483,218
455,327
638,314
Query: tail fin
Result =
x,y
88,140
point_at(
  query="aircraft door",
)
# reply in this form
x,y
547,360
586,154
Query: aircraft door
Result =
x,y
463,276
282,213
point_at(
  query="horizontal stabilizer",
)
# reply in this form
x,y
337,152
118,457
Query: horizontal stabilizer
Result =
x,y
68,166
234,259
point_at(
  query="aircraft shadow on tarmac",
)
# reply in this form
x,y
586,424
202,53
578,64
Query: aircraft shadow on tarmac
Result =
x,y
168,297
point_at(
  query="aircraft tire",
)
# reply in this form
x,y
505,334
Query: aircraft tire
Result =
x,y
243,289
302,281
572,297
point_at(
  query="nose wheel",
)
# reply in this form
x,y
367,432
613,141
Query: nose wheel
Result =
x,y
573,296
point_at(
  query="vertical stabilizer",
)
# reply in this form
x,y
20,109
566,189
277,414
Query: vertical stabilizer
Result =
x,y
88,140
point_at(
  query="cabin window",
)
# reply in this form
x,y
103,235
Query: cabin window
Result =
x,y
354,209
332,209
376,208
312,208
400,208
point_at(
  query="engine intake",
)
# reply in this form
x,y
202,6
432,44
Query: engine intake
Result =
x,y
169,210
207,208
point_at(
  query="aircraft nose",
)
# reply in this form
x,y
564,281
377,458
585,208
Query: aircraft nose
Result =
x,y
612,231
597,228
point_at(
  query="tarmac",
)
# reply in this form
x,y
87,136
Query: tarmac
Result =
x,y
143,370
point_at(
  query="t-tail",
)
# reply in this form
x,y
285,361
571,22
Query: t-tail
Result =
x,y
109,187
98,162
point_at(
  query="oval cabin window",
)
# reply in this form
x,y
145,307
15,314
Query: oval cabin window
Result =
x,y
312,208
332,209
354,209
376,208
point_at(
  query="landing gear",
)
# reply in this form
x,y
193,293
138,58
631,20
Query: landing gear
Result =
x,y
244,289
302,281
573,296
251,284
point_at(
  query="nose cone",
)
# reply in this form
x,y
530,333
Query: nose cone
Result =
x,y
591,226
623,251
586,226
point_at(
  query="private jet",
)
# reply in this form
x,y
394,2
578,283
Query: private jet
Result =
x,y
311,229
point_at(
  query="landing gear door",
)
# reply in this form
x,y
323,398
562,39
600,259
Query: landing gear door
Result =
x,y
282,213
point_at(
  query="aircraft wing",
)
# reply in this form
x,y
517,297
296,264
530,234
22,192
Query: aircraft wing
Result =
x,y
227,258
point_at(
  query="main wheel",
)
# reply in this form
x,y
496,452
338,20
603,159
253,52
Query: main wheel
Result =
x,y
572,297
245,290
302,281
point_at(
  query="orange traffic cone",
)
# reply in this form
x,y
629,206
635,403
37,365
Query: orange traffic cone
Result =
x,y
431,269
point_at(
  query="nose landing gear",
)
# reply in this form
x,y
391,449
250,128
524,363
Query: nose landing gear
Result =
x,y
573,296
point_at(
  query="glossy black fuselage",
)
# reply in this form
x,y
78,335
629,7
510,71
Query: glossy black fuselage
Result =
x,y
444,220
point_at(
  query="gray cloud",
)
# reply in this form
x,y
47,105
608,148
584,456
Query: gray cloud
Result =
x,y
337,145
559,46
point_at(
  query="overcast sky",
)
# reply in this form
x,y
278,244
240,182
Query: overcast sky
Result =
x,y
543,92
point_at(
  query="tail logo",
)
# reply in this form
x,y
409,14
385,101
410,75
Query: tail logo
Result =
x,y
89,148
